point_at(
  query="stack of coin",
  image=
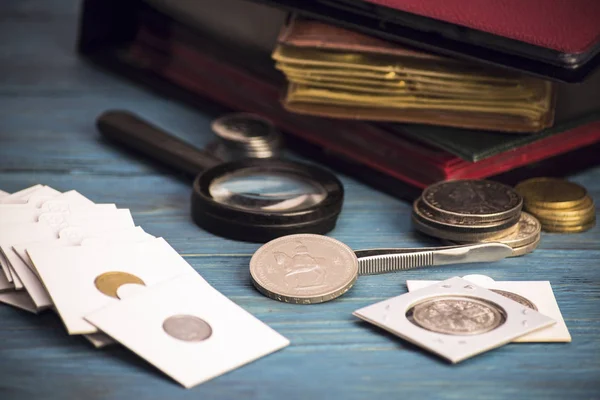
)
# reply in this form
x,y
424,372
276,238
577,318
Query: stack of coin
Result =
x,y
244,135
559,205
472,211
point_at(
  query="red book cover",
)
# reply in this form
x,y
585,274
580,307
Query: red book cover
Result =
x,y
568,26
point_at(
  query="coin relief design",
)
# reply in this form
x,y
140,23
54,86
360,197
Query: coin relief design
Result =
x,y
187,328
528,226
304,268
516,297
457,315
109,282
472,197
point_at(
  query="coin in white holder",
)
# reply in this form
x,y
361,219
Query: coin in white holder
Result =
x,y
14,234
82,279
455,318
537,295
186,329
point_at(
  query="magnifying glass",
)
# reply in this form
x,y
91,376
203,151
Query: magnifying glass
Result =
x,y
252,200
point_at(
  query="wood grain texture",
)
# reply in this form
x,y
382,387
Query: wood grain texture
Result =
x,y
49,100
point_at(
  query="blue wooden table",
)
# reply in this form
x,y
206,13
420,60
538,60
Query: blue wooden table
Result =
x,y
49,100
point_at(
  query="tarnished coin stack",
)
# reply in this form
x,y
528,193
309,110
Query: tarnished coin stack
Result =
x,y
472,211
244,135
559,205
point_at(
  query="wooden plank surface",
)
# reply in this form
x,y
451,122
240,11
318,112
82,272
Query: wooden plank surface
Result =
x,y
49,100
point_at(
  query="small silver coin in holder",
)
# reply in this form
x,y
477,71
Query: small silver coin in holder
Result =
x,y
455,318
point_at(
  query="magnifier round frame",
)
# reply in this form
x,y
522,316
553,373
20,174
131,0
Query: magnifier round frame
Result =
x,y
263,225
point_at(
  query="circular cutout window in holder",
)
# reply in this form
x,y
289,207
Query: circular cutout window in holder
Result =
x,y
457,315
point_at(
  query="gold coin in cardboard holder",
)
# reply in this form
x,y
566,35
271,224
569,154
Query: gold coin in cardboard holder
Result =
x,y
109,283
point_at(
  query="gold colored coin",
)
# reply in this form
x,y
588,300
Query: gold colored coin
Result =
x,y
522,250
551,193
564,221
585,209
567,224
570,229
558,217
109,282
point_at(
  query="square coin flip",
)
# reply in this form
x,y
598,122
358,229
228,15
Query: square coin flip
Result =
x,y
187,329
537,295
455,318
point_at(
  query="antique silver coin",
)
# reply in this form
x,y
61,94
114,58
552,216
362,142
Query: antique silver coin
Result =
x,y
304,269
472,201
187,328
528,231
457,224
465,235
458,315
245,135
516,297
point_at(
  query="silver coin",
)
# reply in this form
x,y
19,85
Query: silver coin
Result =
x,y
187,328
516,297
528,231
457,224
472,200
246,135
304,269
458,315
459,236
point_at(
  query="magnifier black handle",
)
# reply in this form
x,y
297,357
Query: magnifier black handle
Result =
x,y
133,132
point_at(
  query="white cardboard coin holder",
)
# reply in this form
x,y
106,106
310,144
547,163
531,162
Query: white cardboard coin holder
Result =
x,y
390,315
137,322
72,236
69,274
47,226
33,196
538,292
17,233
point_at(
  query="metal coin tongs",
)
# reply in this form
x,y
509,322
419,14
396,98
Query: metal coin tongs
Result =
x,y
381,261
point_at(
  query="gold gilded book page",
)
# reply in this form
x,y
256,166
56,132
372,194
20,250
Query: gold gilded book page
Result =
x,y
384,63
532,110
339,73
393,76
457,119
358,78
456,92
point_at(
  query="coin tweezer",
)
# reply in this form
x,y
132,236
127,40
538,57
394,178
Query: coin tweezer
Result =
x,y
381,261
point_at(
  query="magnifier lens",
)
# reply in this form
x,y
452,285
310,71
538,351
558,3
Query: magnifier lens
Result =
x,y
253,189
